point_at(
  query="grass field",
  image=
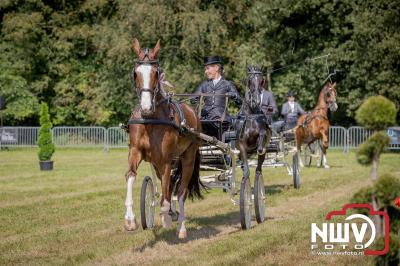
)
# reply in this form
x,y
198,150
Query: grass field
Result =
x,y
74,214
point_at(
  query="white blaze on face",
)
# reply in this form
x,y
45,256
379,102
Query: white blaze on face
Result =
x,y
145,99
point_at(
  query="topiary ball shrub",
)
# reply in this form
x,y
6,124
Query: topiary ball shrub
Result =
x,y
387,189
45,143
377,113
376,144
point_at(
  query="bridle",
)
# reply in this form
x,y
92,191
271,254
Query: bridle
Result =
x,y
327,95
250,75
151,62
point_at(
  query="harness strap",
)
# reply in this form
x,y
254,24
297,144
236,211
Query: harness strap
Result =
x,y
155,122
177,107
310,117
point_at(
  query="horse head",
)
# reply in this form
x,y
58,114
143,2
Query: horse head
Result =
x,y
254,86
146,75
330,96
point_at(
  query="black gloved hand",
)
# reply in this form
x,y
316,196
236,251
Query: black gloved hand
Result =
x,y
194,100
231,94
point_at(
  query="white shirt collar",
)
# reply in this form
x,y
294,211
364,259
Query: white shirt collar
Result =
x,y
291,105
215,81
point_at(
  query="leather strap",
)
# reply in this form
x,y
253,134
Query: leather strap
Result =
x,y
154,122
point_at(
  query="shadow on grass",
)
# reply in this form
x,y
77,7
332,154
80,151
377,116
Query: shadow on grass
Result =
x,y
276,189
205,229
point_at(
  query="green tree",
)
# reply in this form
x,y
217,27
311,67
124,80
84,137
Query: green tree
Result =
x,y
376,113
386,189
76,55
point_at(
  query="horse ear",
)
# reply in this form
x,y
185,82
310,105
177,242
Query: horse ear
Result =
x,y
264,81
156,49
334,85
136,47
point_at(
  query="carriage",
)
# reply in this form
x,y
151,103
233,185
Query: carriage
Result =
x,y
221,169
168,134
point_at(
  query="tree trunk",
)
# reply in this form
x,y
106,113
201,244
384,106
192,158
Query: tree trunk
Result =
x,y
374,168
376,218
374,176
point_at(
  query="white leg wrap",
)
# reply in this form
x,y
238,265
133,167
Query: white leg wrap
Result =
x,y
300,161
166,219
181,219
324,161
165,207
129,215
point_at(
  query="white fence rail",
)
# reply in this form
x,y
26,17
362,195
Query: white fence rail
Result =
x,y
19,136
337,137
79,136
115,137
357,135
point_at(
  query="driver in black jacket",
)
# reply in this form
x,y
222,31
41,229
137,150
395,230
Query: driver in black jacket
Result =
x,y
215,106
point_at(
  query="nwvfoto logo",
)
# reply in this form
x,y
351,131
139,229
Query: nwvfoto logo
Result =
x,y
338,235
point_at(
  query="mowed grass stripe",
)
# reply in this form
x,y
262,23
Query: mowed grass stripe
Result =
x,y
87,227
286,230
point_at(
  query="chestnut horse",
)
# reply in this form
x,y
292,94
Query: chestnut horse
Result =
x,y
155,137
315,124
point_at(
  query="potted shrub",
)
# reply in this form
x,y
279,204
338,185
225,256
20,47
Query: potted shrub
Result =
x,y
46,146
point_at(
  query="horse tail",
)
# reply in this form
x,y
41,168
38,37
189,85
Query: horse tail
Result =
x,y
195,185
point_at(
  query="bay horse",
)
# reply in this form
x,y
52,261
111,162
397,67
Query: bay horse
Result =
x,y
314,125
154,136
254,134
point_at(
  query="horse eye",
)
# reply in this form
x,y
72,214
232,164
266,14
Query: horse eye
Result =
x,y
328,94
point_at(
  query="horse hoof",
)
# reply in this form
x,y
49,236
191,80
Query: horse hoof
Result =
x,y
326,166
130,225
166,221
182,234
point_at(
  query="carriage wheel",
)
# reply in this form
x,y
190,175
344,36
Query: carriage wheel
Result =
x,y
147,203
307,156
245,204
296,171
259,198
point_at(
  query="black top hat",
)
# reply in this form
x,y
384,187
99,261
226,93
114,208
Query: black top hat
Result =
x,y
291,94
213,59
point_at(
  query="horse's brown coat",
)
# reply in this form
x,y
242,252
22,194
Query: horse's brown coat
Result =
x,y
161,144
315,125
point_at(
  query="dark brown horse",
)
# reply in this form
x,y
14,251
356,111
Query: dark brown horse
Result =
x,y
254,134
154,137
315,124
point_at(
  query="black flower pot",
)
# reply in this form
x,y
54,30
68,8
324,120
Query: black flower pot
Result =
x,y
46,165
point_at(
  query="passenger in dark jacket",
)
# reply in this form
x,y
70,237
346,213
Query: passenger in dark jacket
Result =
x,y
268,105
291,110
